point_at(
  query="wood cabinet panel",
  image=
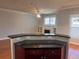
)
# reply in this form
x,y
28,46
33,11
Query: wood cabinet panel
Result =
x,y
43,53
5,49
19,52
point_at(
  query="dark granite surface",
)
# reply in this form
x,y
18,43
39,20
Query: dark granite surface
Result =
x,y
23,35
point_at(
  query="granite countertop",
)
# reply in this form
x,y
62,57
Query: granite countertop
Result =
x,y
23,35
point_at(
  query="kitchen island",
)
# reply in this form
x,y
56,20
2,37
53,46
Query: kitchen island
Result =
x,y
33,46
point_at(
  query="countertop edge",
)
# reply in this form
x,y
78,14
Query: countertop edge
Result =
x,y
23,35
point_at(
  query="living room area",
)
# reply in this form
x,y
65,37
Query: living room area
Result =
x,y
47,17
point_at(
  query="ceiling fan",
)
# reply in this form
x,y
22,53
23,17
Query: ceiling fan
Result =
x,y
34,7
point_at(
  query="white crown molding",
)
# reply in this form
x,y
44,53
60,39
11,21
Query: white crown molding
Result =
x,y
69,7
14,11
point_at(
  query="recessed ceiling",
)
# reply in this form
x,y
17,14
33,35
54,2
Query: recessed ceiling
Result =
x,y
44,6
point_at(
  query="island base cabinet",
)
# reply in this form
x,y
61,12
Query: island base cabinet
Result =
x,y
38,53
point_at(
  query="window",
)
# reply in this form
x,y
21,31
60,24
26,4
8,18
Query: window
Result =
x,y
75,21
74,28
49,20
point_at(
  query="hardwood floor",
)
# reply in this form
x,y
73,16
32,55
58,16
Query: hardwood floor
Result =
x,y
73,51
74,46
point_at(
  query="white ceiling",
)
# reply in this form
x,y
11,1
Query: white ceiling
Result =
x,y
45,6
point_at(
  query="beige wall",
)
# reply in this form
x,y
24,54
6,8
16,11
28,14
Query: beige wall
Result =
x,y
63,20
13,22
63,23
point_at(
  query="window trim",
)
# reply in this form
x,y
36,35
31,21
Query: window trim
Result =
x,y
50,20
71,20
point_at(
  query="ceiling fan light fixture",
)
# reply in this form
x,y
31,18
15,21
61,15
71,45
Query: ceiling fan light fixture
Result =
x,y
38,15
